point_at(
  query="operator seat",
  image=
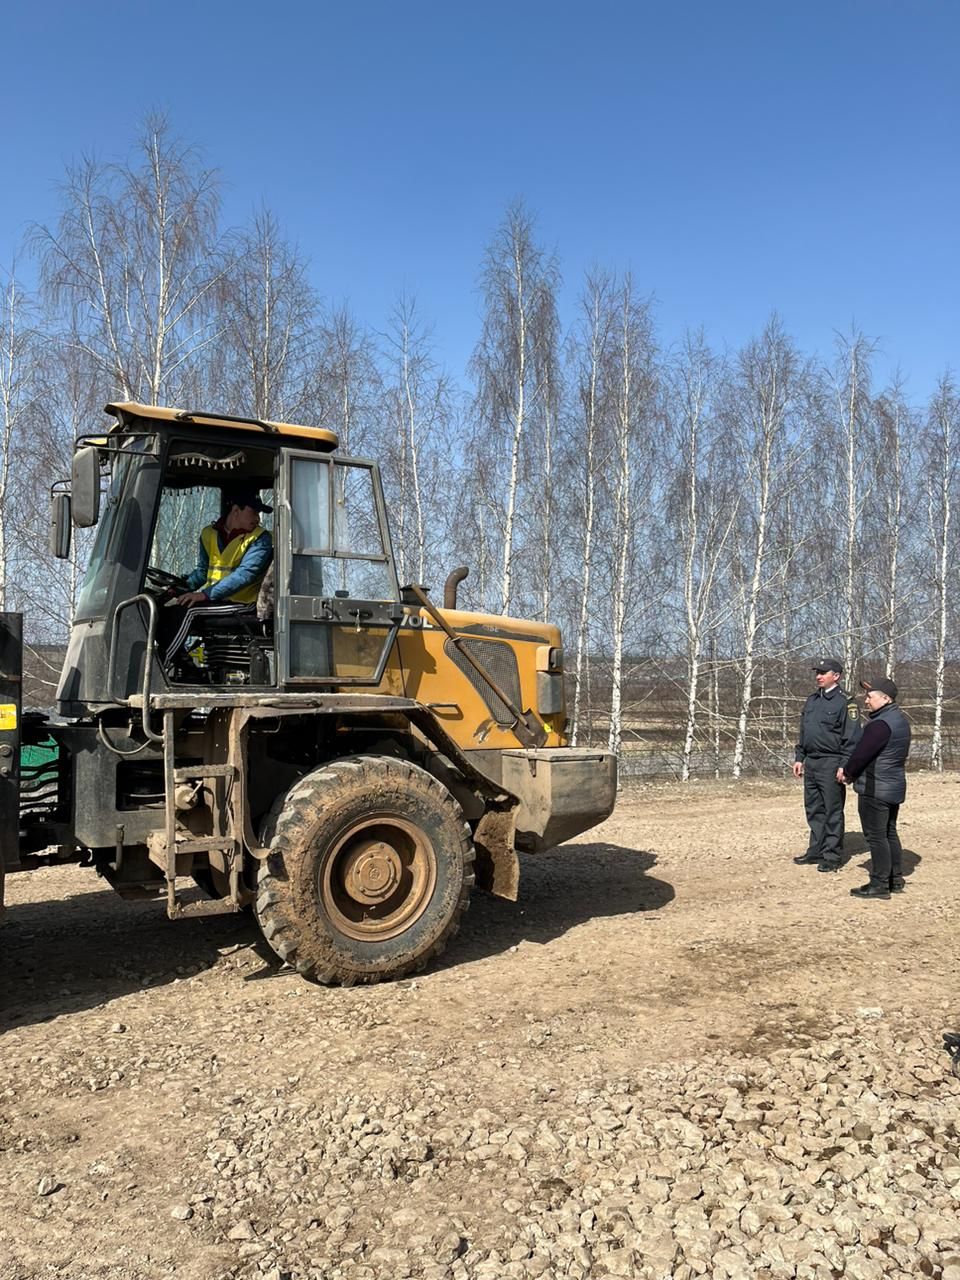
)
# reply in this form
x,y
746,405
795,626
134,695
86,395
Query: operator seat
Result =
x,y
265,600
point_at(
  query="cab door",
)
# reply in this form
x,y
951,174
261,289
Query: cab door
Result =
x,y
338,605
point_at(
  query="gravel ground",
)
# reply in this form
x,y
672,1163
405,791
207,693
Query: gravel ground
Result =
x,y
678,1055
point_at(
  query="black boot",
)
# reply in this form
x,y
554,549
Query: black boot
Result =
x,y
806,859
871,890
897,884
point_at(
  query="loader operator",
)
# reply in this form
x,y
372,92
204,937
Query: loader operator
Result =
x,y
235,553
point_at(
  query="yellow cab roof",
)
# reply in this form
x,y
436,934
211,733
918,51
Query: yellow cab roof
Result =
x,y
125,411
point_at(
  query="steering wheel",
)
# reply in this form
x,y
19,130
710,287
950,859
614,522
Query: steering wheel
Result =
x,y
164,581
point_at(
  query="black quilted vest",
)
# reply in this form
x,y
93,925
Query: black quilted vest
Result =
x,y
884,777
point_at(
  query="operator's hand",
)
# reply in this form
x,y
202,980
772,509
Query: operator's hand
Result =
x,y
798,768
842,777
191,597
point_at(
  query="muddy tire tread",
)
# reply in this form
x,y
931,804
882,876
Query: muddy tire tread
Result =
x,y
283,832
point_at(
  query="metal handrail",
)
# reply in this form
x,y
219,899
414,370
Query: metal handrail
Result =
x,y
527,727
151,604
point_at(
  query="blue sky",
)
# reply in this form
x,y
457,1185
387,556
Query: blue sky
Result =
x,y
737,157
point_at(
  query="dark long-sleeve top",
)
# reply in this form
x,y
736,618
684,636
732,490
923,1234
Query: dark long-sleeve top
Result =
x,y
875,736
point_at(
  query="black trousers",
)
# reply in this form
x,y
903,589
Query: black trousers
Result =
x,y
823,798
879,822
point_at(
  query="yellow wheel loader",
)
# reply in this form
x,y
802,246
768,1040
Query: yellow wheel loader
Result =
x,y
343,755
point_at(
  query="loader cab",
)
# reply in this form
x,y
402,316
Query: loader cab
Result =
x,y
230,641
330,616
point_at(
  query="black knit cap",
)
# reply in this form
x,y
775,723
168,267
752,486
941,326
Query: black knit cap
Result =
x,y
880,685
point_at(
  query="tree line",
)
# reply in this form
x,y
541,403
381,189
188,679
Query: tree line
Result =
x,y
700,521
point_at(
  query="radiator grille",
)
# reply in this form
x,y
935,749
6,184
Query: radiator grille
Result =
x,y
501,661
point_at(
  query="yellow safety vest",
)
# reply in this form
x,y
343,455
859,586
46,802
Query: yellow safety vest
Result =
x,y
221,562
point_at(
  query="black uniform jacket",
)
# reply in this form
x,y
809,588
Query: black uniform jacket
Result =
x,y
829,725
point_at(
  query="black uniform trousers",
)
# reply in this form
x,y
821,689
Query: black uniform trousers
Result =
x,y
879,822
823,797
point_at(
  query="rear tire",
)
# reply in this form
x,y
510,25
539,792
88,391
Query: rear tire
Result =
x,y
369,871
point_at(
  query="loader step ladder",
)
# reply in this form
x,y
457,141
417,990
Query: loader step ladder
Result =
x,y
228,844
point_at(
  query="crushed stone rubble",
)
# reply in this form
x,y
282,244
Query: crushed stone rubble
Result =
x,y
840,1158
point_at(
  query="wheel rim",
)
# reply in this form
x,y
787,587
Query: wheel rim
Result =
x,y
378,877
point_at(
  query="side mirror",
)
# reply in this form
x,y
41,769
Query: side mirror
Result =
x,y
86,487
60,526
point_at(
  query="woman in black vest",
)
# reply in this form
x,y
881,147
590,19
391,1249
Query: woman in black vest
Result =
x,y
876,769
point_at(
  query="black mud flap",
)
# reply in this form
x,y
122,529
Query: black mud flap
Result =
x,y
11,682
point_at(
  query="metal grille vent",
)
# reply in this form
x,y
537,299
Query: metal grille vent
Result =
x,y
500,660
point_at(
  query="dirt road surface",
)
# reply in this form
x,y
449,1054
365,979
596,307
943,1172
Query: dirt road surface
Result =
x,y
677,1055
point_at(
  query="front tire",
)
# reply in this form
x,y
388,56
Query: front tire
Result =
x,y
369,871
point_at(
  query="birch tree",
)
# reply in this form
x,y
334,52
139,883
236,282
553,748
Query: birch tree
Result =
x,y
346,383
943,434
514,358
135,261
418,407
547,380
895,427
19,372
592,346
267,318
766,393
851,391
703,511
66,405
632,387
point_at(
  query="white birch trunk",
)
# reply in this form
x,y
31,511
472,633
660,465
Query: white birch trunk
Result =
x,y
162,279
693,681
265,409
936,743
589,517
625,411
715,706
850,530
941,571
412,451
101,297
548,531
579,668
11,379
896,511
753,606
519,421
483,553
692,534
400,508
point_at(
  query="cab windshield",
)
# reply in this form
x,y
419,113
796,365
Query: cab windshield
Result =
x,y
181,514
119,533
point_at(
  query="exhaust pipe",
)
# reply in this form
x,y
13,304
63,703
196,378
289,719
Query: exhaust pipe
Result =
x,y
450,586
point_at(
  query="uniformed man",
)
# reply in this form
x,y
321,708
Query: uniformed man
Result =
x,y
829,729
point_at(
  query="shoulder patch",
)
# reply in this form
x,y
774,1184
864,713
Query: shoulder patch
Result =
x,y
853,711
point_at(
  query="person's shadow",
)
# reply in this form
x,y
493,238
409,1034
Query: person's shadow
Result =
x,y
911,861
854,843
75,953
559,890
